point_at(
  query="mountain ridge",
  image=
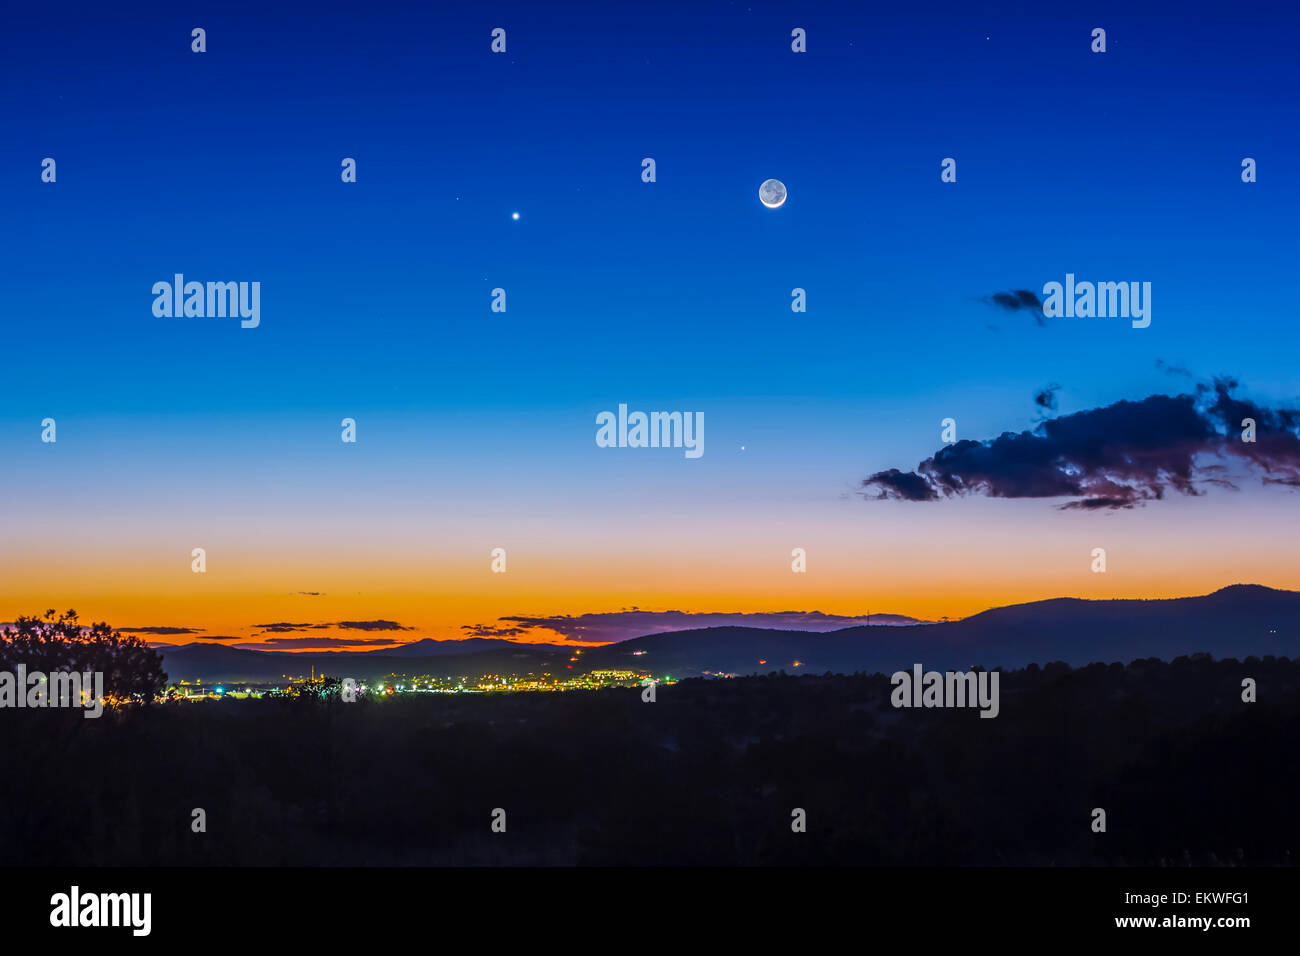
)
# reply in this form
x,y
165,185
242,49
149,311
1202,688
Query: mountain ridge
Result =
x,y
1235,621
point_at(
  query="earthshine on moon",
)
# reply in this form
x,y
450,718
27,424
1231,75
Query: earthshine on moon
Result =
x,y
772,193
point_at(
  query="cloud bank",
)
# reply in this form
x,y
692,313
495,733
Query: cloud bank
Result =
x,y
1117,456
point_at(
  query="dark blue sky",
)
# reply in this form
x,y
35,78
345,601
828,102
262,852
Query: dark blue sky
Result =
x,y
226,165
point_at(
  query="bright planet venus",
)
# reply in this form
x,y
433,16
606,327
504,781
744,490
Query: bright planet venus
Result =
x,y
772,193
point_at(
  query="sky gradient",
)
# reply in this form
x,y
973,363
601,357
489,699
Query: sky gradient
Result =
x,y
476,430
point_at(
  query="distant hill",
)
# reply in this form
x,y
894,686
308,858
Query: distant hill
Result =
x,y
1237,621
895,620
213,663
432,647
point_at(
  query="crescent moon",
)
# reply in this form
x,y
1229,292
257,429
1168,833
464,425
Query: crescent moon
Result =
x,y
772,193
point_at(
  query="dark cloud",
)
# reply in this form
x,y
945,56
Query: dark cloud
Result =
x,y
1046,398
1276,449
284,627
1097,504
158,630
1018,300
1168,369
904,485
613,626
312,593
490,630
1113,457
311,643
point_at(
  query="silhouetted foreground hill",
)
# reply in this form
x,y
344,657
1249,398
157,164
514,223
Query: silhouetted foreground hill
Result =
x,y
1233,622
709,773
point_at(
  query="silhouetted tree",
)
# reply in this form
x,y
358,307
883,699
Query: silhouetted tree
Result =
x,y
131,668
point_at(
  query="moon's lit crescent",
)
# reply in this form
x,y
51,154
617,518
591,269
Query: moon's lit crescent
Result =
x,y
772,193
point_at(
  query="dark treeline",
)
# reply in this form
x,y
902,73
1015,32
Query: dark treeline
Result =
x,y
1186,771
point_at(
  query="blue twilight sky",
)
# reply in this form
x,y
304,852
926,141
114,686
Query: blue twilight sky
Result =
x,y
669,295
